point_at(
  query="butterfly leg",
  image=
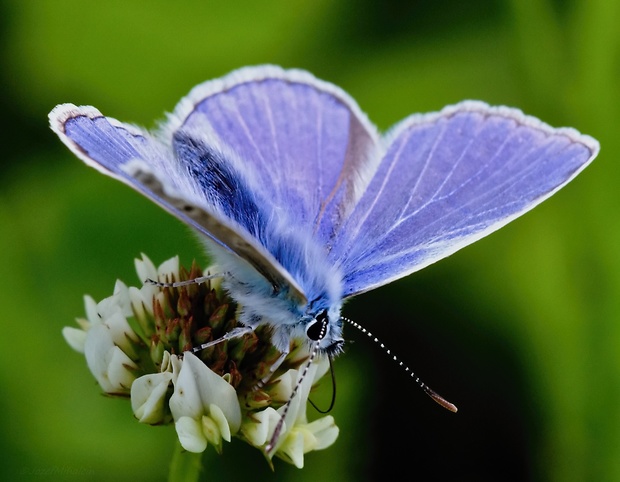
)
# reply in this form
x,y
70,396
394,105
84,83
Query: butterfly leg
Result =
x,y
234,333
177,284
275,365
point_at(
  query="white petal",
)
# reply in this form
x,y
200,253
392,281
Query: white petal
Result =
x,y
281,391
139,305
166,362
197,387
305,438
211,432
122,293
148,397
83,323
297,409
121,369
117,303
145,268
293,448
90,306
121,332
148,292
96,347
325,431
258,429
107,362
174,365
217,415
322,365
190,434
296,414
159,296
297,406
185,401
75,337
168,268
109,306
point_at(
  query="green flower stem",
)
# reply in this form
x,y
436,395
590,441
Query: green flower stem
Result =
x,y
185,466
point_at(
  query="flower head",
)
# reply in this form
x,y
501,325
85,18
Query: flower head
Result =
x,y
138,344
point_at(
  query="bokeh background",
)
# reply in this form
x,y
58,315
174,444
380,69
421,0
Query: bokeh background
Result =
x,y
520,330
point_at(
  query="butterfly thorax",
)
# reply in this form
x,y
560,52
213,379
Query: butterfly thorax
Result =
x,y
229,187
290,318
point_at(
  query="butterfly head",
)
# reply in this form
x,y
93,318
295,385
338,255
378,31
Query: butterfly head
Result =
x,y
324,327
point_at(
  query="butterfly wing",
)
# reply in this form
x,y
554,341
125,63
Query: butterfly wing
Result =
x,y
134,157
239,155
303,144
447,180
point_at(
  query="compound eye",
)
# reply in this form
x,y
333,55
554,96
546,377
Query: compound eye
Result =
x,y
318,327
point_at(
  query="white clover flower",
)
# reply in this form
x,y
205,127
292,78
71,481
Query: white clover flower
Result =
x,y
298,436
107,340
204,406
113,369
137,344
149,393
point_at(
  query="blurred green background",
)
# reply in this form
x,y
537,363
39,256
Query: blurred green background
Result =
x,y
521,330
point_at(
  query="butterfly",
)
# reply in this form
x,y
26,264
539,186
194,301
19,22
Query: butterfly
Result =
x,y
301,201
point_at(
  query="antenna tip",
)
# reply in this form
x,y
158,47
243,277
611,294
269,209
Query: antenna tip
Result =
x,y
441,401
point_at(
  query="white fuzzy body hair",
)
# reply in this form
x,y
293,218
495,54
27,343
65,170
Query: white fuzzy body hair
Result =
x,y
288,317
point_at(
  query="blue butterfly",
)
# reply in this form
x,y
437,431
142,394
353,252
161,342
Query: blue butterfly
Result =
x,y
303,204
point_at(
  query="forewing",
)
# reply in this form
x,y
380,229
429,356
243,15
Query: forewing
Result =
x,y
449,179
303,144
132,156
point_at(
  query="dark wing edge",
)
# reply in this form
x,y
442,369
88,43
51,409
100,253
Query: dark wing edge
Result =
x,y
138,174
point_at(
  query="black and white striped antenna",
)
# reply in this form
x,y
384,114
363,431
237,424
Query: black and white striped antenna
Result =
x,y
428,390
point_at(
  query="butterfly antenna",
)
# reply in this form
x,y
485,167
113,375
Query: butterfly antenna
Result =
x,y
276,433
428,390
